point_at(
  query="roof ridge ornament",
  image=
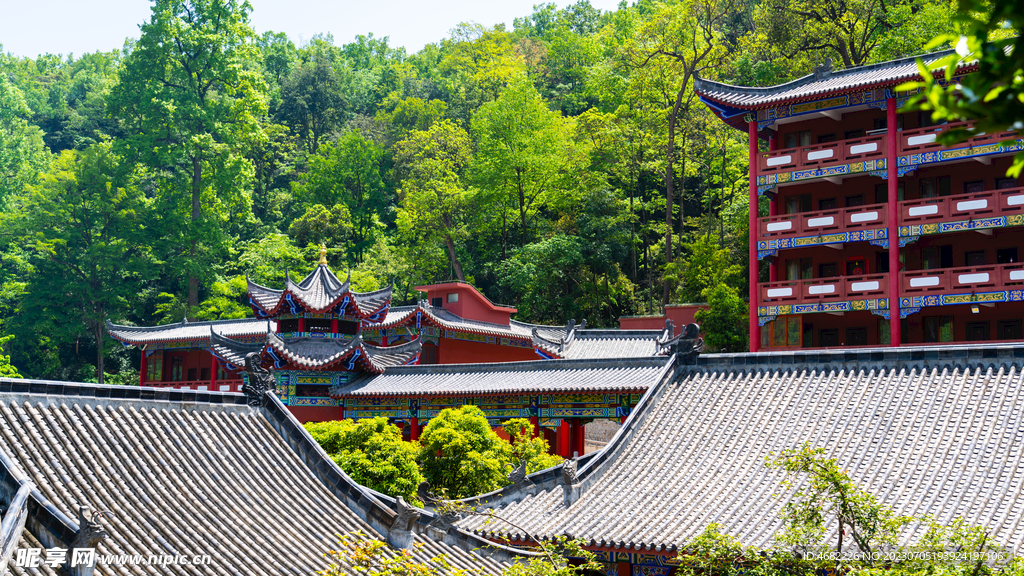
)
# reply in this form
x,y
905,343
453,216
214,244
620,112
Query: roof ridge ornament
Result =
x,y
259,381
323,256
823,70
90,531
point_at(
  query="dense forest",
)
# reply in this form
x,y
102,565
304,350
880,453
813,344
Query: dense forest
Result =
x,y
564,167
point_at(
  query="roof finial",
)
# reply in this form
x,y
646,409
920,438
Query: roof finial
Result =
x,y
323,255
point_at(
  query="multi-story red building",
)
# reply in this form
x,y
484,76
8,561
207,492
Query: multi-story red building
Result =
x,y
876,234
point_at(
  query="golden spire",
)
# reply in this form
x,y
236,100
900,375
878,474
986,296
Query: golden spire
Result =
x,y
323,255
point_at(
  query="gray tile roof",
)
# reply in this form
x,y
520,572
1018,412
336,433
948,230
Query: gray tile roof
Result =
x,y
538,376
928,431
403,315
194,473
322,353
320,291
196,331
604,344
885,73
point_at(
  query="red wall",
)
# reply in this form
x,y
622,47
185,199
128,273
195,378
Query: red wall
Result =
x,y
315,413
465,352
471,304
680,314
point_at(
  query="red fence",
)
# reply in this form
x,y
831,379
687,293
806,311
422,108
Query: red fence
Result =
x,y
824,154
201,385
973,278
925,139
823,289
823,222
973,205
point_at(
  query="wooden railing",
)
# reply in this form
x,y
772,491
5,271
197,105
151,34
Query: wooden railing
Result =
x,y
201,385
985,278
824,154
926,139
838,288
972,205
823,222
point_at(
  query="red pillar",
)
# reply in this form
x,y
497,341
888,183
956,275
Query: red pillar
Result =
x,y
773,208
895,337
142,369
625,569
213,371
564,439
535,422
580,437
302,324
414,428
755,332
334,326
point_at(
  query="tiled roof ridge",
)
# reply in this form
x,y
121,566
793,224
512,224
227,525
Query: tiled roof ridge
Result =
x,y
366,503
615,332
431,310
962,356
705,85
542,479
530,365
45,514
185,322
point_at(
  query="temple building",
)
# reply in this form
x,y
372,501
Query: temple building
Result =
x,y
325,341
876,233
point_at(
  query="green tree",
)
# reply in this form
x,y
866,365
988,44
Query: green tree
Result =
x,y
433,194
189,98
22,153
993,96
525,152
526,447
373,453
829,493
7,370
313,102
461,454
86,221
724,323
350,172
322,226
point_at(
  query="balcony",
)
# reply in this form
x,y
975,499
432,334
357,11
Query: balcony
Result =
x,y
970,279
200,385
924,139
833,221
837,289
971,206
823,155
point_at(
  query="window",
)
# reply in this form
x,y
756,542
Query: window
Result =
x,y
192,374
428,354
786,331
177,368
933,257
827,204
884,332
830,270
827,138
938,329
348,328
974,186
1006,256
1004,183
155,367
798,203
437,302
794,139
944,185
799,269
856,336
453,297
853,134
856,200
287,326
928,188
1009,330
977,331
882,262
808,334
974,258
857,266
828,337
204,373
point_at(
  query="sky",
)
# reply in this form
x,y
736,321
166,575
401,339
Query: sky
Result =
x,y
33,27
